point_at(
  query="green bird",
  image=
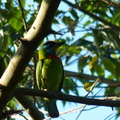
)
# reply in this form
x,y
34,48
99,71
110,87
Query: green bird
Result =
x,y
49,73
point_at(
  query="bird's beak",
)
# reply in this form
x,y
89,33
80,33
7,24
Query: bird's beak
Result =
x,y
57,45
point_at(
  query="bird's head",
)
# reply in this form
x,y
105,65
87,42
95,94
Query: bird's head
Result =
x,y
49,48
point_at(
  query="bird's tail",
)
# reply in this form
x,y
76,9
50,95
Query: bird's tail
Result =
x,y
52,108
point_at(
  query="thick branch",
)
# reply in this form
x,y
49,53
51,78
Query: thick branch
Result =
x,y
29,107
92,15
91,77
70,98
40,29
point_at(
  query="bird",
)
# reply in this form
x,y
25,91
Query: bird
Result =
x,y
49,73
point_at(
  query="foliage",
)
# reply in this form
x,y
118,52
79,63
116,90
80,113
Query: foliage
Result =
x,y
90,30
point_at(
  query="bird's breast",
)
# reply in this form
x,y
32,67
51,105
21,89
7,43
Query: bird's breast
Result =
x,y
51,74
53,57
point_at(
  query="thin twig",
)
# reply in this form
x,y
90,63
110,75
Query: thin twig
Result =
x,y
23,17
112,3
92,15
91,77
86,104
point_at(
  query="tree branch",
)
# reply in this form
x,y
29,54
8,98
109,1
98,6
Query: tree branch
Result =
x,y
112,3
39,30
23,17
29,107
91,77
92,15
70,98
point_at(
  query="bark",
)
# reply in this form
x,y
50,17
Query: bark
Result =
x,y
86,77
70,98
40,29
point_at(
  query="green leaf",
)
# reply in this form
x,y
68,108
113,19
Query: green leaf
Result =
x,y
70,85
70,24
99,70
110,91
12,104
116,17
88,34
93,61
109,65
74,14
67,59
117,70
82,62
81,42
73,50
98,38
5,43
114,38
16,21
67,20
23,2
88,86
9,5
87,23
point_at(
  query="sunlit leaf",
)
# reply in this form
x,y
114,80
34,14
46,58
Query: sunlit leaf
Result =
x,y
93,61
88,86
115,19
16,21
23,2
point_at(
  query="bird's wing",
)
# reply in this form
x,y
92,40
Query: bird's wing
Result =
x,y
38,73
62,80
